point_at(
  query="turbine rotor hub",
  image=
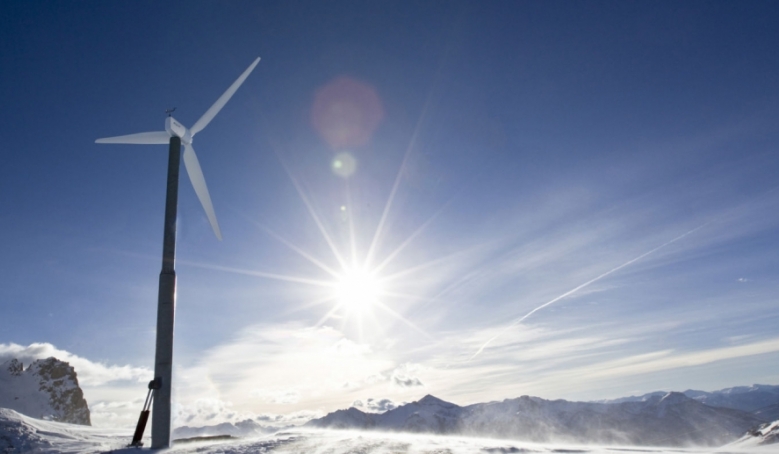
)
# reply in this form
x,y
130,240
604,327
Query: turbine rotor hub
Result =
x,y
174,128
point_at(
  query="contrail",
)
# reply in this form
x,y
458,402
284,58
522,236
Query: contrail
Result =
x,y
574,290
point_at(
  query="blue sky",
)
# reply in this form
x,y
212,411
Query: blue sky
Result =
x,y
506,153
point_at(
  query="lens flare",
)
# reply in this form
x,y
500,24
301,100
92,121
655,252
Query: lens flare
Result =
x,y
344,165
346,112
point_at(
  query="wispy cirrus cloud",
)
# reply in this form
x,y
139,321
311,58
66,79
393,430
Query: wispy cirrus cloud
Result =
x,y
579,363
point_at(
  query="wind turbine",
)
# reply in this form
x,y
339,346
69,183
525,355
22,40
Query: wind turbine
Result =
x,y
175,134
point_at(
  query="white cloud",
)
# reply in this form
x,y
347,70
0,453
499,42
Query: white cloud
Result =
x,y
295,418
205,411
275,371
372,405
404,376
89,373
300,368
211,411
116,413
669,359
277,396
406,382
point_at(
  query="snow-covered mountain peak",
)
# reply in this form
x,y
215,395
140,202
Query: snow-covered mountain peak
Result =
x,y
432,400
429,414
47,389
351,418
674,398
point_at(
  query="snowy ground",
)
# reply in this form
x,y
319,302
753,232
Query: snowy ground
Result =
x,y
20,434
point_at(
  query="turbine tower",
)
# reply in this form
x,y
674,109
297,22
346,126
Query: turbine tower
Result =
x,y
175,134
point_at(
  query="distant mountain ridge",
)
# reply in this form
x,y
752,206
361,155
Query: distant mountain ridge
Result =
x,y
46,389
241,429
761,401
672,419
746,398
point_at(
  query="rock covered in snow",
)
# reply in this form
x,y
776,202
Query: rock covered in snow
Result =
x,y
46,389
765,434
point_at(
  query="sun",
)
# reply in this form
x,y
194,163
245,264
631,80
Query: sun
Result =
x,y
357,290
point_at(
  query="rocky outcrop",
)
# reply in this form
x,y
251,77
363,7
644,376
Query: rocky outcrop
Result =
x,y
766,434
15,367
46,389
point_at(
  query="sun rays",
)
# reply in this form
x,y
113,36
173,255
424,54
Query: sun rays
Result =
x,y
358,294
364,278
351,286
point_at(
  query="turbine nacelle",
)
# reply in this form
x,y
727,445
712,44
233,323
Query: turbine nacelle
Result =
x,y
176,129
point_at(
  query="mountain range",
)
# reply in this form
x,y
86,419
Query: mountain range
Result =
x,y
241,429
755,398
655,419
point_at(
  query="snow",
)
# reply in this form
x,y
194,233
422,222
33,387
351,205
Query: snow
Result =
x,y
20,391
21,434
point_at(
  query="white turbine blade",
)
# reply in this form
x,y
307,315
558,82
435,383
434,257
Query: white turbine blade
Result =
x,y
142,138
213,110
199,183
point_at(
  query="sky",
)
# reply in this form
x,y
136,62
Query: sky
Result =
x,y
475,200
